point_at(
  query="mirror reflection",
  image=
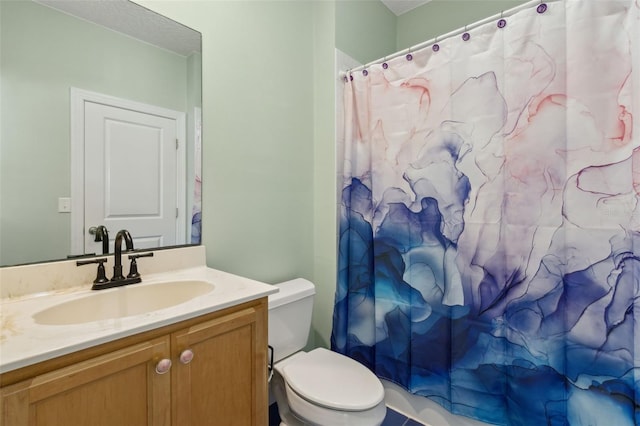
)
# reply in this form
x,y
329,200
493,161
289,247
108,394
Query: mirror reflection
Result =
x,y
100,128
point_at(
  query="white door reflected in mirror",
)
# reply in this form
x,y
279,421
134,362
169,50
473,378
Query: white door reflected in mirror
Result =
x,y
133,172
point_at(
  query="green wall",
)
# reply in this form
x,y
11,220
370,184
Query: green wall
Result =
x,y
439,17
258,133
324,164
365,29
268,135
42,55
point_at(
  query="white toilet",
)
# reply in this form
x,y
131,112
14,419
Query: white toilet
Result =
x,y
319,387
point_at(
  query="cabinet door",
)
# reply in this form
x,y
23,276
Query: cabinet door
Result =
x,y
225,382
119,388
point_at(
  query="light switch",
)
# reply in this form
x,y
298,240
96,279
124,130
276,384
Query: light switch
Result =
x,y
64,205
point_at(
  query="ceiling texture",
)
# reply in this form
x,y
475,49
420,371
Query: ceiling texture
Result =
x,y
403,6
133,20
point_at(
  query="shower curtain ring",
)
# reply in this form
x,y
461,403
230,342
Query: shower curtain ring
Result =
x,y
502,22
435,46
542,7
466,36
409,55
384,63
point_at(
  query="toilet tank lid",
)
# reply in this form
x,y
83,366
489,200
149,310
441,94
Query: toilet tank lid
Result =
x,y
290,291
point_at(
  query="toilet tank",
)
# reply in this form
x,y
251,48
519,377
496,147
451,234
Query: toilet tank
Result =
x,y
290,317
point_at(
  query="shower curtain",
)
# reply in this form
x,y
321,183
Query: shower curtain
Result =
x,y
489,216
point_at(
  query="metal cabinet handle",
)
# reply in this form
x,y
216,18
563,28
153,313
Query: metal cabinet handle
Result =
x,y
163,366
186,356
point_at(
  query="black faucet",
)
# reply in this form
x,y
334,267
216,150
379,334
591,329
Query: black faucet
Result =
x,y
128,241
102,235
101,282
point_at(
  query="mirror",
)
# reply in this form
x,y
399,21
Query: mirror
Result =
x,y
112,48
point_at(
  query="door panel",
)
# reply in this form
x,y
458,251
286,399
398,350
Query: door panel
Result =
x,y
130,175
120,388
219,386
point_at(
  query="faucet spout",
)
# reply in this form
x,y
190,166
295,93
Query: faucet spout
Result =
x,y
103,235
128,241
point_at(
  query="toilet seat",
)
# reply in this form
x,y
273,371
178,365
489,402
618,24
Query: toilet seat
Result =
x,y
308,413
328,379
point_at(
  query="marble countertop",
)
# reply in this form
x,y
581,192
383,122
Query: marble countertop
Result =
x,y
24,342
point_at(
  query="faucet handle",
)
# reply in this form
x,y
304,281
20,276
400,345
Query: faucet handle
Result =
x,y
133,269
101,276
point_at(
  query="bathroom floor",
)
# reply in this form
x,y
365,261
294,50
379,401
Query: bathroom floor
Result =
x,y
393,418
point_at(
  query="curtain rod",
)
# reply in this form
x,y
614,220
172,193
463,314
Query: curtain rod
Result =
x,y
466,28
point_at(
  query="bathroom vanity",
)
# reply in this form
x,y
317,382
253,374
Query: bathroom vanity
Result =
x,y
199,362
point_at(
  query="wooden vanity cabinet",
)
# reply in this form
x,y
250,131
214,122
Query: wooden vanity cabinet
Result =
x,y
118,388
217,377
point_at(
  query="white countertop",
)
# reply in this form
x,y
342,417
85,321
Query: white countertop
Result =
x,y
24,342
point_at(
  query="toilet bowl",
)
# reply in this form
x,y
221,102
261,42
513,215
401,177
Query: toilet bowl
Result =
x,y
319,387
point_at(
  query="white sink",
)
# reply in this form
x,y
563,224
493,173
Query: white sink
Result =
x,y
122,302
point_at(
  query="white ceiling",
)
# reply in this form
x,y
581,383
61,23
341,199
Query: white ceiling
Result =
x,y
133,20
403,6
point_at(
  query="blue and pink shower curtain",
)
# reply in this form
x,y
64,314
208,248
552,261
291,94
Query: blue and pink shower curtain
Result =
x,y
490,214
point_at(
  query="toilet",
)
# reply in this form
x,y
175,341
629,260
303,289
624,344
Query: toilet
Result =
x,y
319,387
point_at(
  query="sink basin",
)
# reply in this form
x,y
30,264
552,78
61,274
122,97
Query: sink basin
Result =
x,y
122,302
